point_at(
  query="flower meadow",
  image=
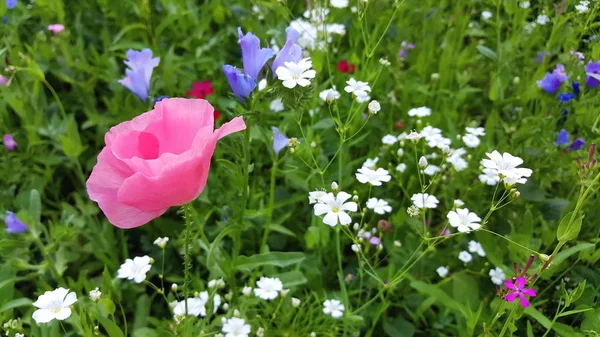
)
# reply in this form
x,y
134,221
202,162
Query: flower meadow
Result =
x,y
299,168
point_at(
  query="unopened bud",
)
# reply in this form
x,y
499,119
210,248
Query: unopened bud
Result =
x,y
334,186
544,257
516,80
423,162
174,286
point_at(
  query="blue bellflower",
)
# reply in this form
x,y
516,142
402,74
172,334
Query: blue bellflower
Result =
x,y
13,224
279,140
552,81
575,87
10,4
566,97
138,75
562,138
578,144
291,52
254,59
592,70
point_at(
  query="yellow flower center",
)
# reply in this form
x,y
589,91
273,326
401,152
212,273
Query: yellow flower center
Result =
x,y
335,210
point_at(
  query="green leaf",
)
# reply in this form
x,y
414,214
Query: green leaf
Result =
x,y
292,278
326,123
591,321
35,206
487,52
576,294
398,327
566,230
277,259
145,332
575,311
108,305
111,328
561,329
560,257
16,303
71,141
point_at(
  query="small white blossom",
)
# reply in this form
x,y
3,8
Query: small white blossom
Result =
x,y
424,200
195,307
414,136
401,167
400,152
582,7
438,141
374,107
384,62
431,170
329,95
357,88
497,276
489,177
355,247
464,220
371,163
268,288
236,327
334,208
542,19
315,196
475,247
486,15
430,132
524,4
506,166
373,177
363,99
455,158
458,203
262,84
54,305
465,257
389,139
379,206
334,308
293,74
246,291
135,269
471,140
334,186
295,302
423,161
442,271
218,283
276,105
161,242
95,294
479,131
419,112
339,3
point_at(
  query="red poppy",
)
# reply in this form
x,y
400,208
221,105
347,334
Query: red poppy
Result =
x,y
346,67
201,89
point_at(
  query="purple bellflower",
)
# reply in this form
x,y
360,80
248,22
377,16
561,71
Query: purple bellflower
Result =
x,y
13,224
9,142
575,86
578,144
566,97
562,138
552,81
254,58
138,75
592,70
279,140
291,52
10,4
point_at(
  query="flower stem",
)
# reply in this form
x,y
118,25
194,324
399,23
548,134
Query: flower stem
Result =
x,y
237,242
187,263
340,267
271,206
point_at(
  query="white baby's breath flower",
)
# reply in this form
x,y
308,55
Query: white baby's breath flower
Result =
x,y
401,167
374,107
471,140
424,200
465,257
384,62
363,99
268,288
431,170
506,166
542,19
486,15
389,139
371,163
438,141
479,131
246,291
419,112
135,269
524,4
497,275
293,74
464,220
414,136
315,196
335,208
161,242
54,305
357,88
329,95
276,105
489,176
455,158
442,271
475,247
195,307
262,84
334,308
379,206
216,283
236,327
355,247
339,3
423,162
95,294
373,177
458,203
296,302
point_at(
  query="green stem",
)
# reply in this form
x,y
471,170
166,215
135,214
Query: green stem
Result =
x,y
341,268
508,319
245,195
49,261
187,257
271,206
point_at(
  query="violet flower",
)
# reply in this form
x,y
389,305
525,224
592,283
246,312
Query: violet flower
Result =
x,y
575,86
405,46
13,224
578,144
280,141
566,97
9,142
562,138
291,52
10,4
375,241
592,70
241,83
518,290
253,57
138,75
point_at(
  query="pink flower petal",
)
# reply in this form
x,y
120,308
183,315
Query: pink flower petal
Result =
x,y
509,284
529,292
511,297
521,282
524,301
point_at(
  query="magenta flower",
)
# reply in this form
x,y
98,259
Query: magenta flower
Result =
x,y
9,142
518,289
56,28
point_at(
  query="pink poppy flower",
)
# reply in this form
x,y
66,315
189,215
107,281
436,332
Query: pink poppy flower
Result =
x,y
9,142
157,160
56,28
518,289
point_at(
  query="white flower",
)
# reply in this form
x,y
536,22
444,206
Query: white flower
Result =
x,y
465,257
373,177
19,335
317,15
389,139
486,15
293,73
334,186
413,211
247,291
371,163
315,196
414,136
276,105
438,141
334,208
582,7
334,308
219,283
429,132
379,206
471,140
357,88
135,269
363,99
458,203
339,3
475,247
400,151
506,166
497,276
489,177
401,167
262,84
296,302
442,271
355,247
195,307
268,288
95,294
54,305
463,220
308,33
161,242
236,327
424,200
335,28
542,19
431,170
374,107
384,62
479,131
419,112
329,95
455,158
524,4
423,161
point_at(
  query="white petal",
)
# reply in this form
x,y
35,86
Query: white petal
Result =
x,y
322,209
63,314
43,315
331,219
345,219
